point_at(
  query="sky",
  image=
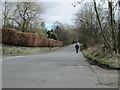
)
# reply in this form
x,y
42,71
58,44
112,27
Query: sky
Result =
x,y
62,11
58,11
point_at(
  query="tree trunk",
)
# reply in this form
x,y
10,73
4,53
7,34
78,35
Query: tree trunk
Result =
x,y
119,30
97,15
112,27
5,14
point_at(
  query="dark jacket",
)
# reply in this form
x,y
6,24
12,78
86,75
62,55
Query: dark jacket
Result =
x,y
77,46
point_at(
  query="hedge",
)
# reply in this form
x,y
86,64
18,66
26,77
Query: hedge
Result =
x,y
14,37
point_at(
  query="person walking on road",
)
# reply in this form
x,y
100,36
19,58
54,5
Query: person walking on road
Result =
x,y
77,48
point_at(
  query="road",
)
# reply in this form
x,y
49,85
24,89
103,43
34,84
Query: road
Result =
x,y
60,69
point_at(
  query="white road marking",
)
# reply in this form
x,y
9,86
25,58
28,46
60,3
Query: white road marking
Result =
x,y
12,57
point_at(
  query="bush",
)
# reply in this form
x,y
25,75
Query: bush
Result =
x,y
82,47
13,37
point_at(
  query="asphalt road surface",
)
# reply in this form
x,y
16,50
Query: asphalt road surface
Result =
x,y
60,69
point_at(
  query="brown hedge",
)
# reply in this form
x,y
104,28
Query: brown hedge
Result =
x,y
14,37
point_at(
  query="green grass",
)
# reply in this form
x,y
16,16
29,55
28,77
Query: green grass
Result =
x,y
111,62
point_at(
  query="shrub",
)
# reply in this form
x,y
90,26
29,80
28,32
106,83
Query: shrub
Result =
x,y
13,37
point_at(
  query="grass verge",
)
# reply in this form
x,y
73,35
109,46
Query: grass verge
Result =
x,y
105,62
20,50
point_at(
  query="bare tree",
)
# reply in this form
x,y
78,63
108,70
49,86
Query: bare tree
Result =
x,y
112,26
5,14
7,8
87,24
119,29
65,33
98,18
25,13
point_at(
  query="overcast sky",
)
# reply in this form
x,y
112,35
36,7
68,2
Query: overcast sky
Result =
x,y
62,11
58,11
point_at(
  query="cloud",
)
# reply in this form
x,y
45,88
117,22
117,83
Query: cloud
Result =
x,y
58,11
